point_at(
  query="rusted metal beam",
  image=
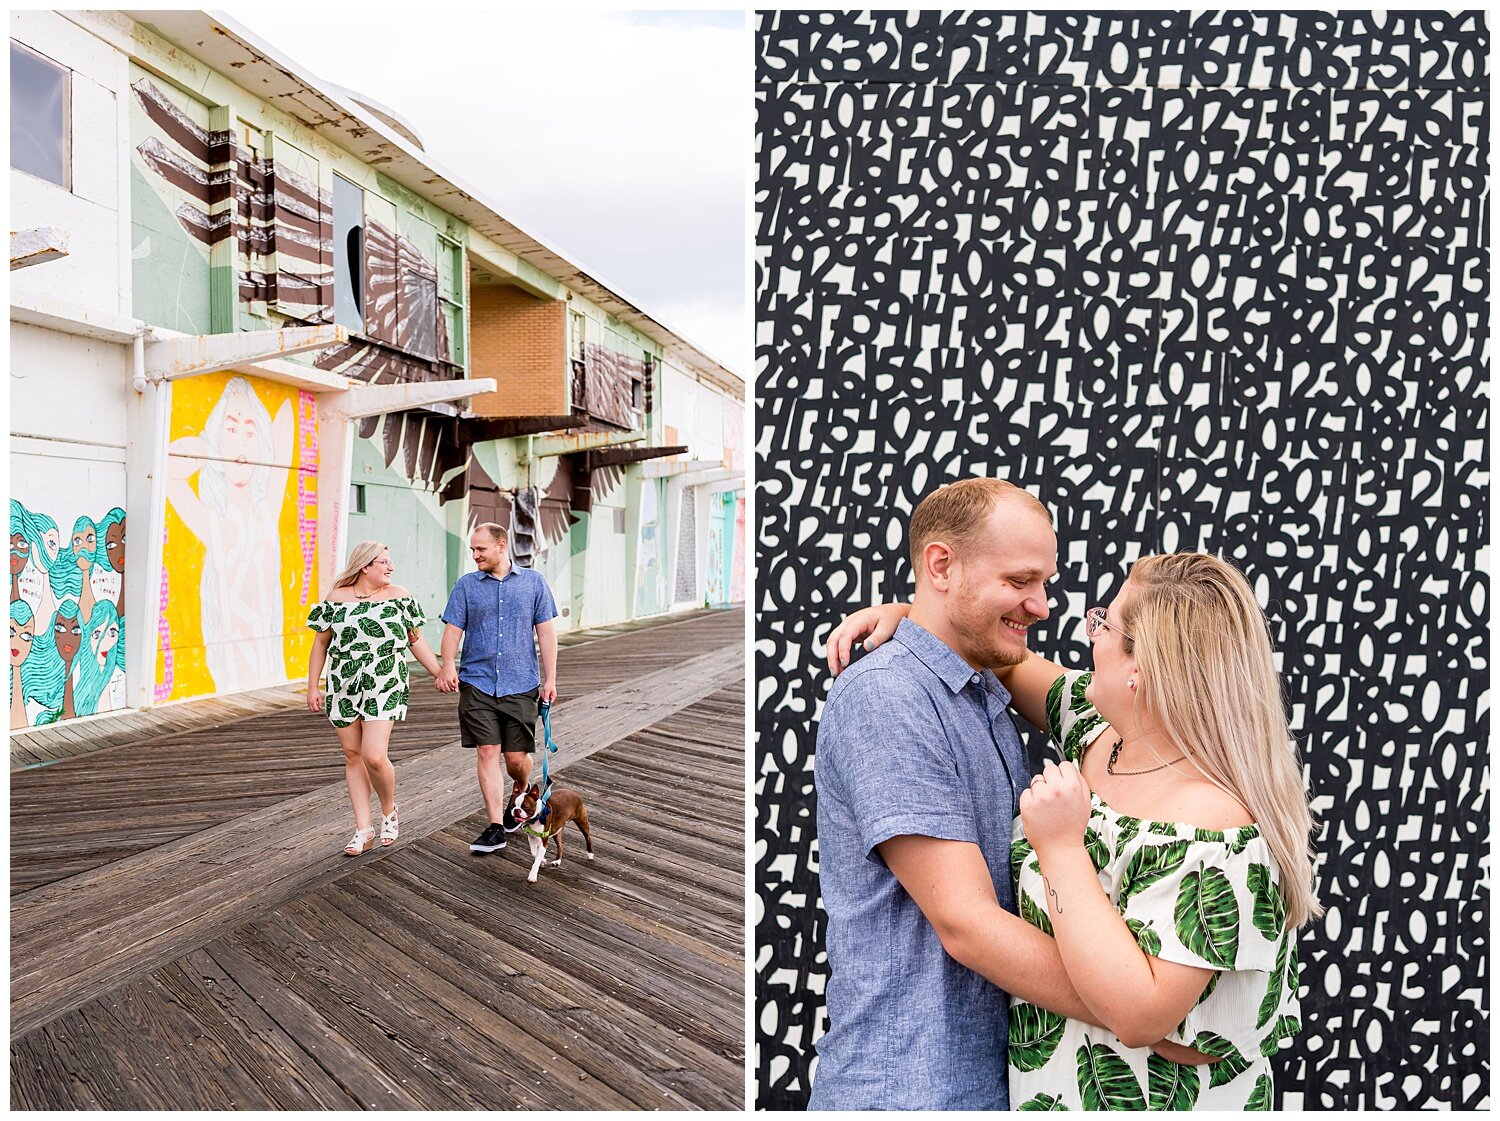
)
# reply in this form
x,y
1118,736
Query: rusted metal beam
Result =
x,y
475,430
37,246
618,457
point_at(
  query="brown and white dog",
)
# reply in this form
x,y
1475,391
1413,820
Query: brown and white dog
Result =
x,y
564,806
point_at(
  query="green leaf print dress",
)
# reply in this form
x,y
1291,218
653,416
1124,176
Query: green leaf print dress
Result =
x,y
367,657
1198,897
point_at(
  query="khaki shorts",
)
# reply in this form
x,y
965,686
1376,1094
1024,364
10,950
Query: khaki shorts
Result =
x,y
507,721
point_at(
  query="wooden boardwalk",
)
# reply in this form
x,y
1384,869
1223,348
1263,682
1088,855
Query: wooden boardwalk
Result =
x,y
96,809
424,976
35,747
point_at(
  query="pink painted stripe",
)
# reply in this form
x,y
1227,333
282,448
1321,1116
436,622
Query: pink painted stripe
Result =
x,y
163,634
307,494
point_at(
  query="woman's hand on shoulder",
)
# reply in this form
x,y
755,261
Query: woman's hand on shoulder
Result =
x,y
871,625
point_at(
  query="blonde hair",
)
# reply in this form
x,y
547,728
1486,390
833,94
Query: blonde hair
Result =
x,y
1208,680
955,513
359,557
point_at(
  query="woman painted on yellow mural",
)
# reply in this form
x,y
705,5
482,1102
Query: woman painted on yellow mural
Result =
x,y
235,513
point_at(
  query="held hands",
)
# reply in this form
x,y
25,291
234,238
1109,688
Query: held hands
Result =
x,y
873,625
446,680
1055,808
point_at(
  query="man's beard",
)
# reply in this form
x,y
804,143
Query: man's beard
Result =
x,y
980,647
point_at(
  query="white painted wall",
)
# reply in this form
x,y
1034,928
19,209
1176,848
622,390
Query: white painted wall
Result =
x,y
678,402
96,212
708,423
67,387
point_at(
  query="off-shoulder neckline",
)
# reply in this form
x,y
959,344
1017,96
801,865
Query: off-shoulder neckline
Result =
x,y
1200,832
365,602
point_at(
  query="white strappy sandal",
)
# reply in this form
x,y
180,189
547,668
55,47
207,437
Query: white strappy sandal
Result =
x,y
390,828
362,841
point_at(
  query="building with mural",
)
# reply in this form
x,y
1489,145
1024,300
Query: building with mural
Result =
x,y
253,322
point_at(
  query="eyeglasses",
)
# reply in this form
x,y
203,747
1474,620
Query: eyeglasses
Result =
x,y
1095,621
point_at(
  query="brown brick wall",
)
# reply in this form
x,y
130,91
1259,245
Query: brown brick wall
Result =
x,y
521,342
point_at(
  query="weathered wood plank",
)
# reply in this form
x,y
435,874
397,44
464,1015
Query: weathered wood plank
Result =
x,y
80,937
435,979
218,1005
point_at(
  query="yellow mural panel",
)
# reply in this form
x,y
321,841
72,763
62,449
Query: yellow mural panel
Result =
x,y
240,556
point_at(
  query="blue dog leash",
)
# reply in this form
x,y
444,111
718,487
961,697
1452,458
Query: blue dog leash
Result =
x,y
551,745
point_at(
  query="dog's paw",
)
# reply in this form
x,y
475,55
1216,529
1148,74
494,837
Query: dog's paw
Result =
x,y
555,863
589,855
531,879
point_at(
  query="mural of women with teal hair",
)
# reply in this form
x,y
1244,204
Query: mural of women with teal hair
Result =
x,y
86,548
39,567
57,583
22,638
99,669
35,548
111,571
38,671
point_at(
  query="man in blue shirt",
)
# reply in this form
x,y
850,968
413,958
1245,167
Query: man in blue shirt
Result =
x,y
502,614
919,771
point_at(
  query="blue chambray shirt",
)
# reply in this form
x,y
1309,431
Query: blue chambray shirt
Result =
x,y
912,741
497,616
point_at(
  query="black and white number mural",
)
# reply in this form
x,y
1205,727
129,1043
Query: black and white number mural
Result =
x,y
1201,281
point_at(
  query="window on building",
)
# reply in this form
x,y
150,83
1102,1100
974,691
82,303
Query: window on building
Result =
x,y
576,328
357,498
637,393
422,311
451,272
348,254
40,132
619,520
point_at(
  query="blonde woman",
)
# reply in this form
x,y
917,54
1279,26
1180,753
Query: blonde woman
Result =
x,y
1167,853
364,628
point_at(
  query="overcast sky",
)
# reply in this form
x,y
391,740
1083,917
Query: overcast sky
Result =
x,y
620,138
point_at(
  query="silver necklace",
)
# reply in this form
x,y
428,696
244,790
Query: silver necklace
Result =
x,y
1115,755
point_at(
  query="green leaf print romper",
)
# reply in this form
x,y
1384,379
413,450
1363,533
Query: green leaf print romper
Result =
x,y
367,657
1198,897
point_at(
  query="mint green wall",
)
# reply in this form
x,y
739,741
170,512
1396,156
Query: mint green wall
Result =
x,y
605,565
556,565
413,525
168,270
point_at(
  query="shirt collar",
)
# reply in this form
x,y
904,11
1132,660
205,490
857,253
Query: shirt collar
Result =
x,y
491,576
944,661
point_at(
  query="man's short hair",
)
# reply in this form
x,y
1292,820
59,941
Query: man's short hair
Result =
x,y
954,513
494,531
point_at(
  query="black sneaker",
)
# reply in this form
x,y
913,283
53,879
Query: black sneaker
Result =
x,y
491,839
508,821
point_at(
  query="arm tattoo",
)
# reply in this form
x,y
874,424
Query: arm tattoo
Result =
x,y
1056,902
